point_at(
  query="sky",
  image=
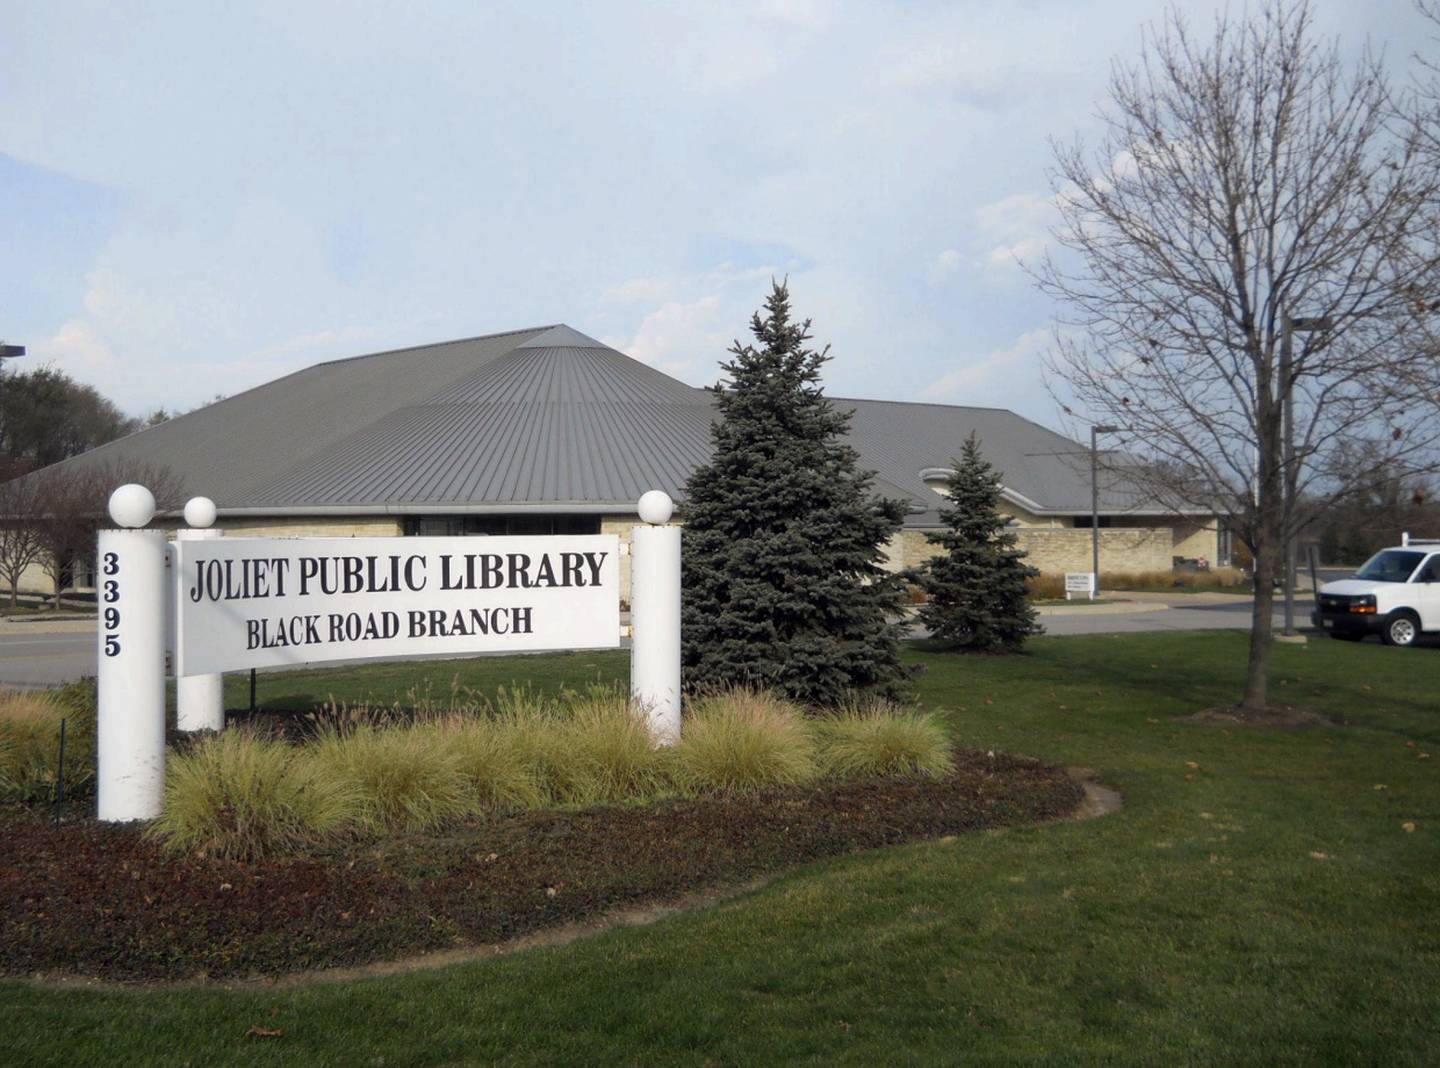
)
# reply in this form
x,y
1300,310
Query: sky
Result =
x,y
198,197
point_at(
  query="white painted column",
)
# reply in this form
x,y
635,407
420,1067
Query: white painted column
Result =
x,y
130,730
199,699
655,618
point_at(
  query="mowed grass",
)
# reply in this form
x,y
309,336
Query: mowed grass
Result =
x,y
1258,901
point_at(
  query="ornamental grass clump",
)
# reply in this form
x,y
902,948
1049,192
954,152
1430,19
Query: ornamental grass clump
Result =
x,y
404,778
493,757
741,740
878,738
30,744
614,747
241,796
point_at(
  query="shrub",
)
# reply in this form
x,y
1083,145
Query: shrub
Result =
x,y
1218,578
404,778
614,746
1051,587
1045,587
30,743
877,738
494,759
743,740
242,796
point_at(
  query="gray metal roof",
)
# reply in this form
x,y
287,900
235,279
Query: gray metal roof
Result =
x,y
545,418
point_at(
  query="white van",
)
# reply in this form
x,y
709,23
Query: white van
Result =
x,y
1396,595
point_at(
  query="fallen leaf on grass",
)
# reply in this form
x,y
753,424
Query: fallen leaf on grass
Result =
x,y
1424,756
1408,827
1409,745
1189,776
256,1031
1381,786
1320,856
1192,765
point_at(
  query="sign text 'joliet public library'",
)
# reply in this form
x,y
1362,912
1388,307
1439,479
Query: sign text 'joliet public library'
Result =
x,y
263,602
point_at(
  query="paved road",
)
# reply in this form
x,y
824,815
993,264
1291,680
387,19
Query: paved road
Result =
x,y
1177,617
36,659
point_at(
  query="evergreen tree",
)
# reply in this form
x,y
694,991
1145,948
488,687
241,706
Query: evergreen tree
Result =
x,y
784,542
977,585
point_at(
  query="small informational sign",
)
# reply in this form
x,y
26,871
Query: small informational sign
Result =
x,y
1080,582
265,602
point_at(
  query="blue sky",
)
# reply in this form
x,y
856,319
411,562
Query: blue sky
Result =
x,y
197,197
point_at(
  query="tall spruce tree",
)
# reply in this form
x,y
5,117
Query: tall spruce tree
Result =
x,y
977,585
784,542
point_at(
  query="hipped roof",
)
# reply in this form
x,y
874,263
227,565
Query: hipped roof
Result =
x,y
545,419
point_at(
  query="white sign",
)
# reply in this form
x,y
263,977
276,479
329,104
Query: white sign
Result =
x,y
1079,582
265,602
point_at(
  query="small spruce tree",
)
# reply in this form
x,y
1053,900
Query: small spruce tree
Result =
x,y
784,543
977,585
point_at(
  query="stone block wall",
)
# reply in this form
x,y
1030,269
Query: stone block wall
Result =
x,y
1056,550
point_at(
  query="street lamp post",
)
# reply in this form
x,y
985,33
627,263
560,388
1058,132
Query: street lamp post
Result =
x,y
1288,328
1095,432
7,352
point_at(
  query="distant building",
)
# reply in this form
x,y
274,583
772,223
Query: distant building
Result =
x,y
548,431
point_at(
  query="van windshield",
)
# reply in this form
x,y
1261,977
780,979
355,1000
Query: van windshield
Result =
x,y
1390,565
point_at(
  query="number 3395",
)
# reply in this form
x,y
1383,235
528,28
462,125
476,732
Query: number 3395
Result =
x,y
110,592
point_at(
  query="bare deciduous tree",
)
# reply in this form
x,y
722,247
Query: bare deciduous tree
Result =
x,y
19,539
1242,177
71,507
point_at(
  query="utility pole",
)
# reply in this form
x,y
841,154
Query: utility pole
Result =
x,y
1288,327
7,352
1095,432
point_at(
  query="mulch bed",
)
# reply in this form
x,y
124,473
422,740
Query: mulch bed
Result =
x,y
94,900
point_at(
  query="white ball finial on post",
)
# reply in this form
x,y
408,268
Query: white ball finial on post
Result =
x,y
199,699
200,513
656,507
132,505
655,617
130,717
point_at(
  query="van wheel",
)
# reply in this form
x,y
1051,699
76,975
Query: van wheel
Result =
x,y
1402,628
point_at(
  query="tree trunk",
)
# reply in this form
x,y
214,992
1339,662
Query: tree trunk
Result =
x,y
1257,671
15,591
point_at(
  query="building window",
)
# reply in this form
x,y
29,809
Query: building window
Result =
x,y
451,525
78,574
1083,521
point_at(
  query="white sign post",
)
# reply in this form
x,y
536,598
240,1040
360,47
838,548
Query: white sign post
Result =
x,y
267,602
199,699
1080,582
655,615
130,717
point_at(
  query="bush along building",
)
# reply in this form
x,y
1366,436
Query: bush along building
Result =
x,y
548,431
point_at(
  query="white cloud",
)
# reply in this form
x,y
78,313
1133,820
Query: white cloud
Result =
x,y
79,350
1014,229
638,291
805,14
678,338
991,378
944,265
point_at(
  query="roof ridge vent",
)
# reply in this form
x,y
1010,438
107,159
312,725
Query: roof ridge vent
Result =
x,y
562,337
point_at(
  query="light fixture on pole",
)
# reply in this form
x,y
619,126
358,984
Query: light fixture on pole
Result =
x,y
1288,328
1095,432
7,352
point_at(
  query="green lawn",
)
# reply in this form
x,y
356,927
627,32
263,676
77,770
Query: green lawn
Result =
x,y
1270,909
